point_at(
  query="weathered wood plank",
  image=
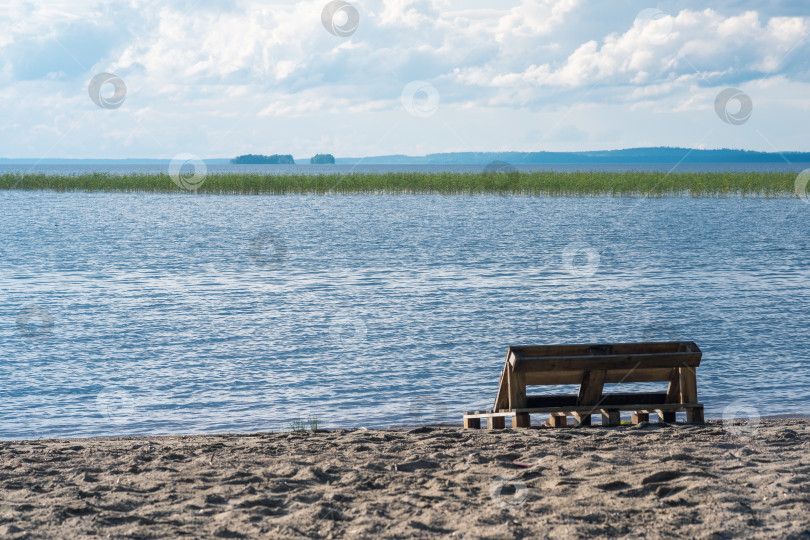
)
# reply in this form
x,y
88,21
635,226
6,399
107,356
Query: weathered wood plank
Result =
x,y
611,418
694,415
638,417
611,377
590,389
667,417
674,387
472,423
581,419
584,349
502,397
521,421
677,407
496,422
517,388
688,381
558,420
612,362
649,398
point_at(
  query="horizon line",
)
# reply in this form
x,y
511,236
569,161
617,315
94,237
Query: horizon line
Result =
x,y
412,156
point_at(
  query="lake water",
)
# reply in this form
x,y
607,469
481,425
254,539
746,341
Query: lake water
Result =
x,y
147,313
362,168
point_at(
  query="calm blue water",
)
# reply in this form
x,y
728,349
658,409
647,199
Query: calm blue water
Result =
x,y
71,169
144,313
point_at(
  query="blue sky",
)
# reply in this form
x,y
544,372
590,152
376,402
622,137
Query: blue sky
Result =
x,y
218,79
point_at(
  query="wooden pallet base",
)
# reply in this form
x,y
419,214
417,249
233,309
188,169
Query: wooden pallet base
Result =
x,y
558,416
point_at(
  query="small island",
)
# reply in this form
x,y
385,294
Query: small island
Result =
x,y
322,159
258,159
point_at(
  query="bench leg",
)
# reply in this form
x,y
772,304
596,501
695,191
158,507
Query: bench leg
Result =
x,y
638,417
667,417
557,420
521,421
472,423
581,419
694,415
612,418
496,422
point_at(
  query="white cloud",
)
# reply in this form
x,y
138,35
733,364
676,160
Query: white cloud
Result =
x,y
534,18
193,64
718,49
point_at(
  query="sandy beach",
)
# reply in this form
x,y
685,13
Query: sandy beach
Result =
x,y
650,480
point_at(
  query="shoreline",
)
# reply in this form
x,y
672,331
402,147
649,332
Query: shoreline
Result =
x,y
396,428
654,479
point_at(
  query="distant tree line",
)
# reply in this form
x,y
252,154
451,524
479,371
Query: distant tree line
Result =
x,y
258,159
660,154
320,159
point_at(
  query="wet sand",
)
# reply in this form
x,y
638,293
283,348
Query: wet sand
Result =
x,y
651,480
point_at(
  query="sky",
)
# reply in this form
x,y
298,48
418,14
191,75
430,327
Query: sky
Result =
x,y
144,79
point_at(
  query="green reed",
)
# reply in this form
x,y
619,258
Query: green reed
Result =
x,y
578,183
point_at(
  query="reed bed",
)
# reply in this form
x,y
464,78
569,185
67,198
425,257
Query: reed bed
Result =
x,y
547,183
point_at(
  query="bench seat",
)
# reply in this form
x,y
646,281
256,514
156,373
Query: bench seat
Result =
x,y
592,366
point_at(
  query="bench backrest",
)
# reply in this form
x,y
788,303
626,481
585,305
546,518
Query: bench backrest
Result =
x,y
593,365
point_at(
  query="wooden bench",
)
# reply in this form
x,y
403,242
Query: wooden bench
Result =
x,y
591,366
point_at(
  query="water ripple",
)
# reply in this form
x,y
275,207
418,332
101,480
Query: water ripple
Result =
x,y
166,316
